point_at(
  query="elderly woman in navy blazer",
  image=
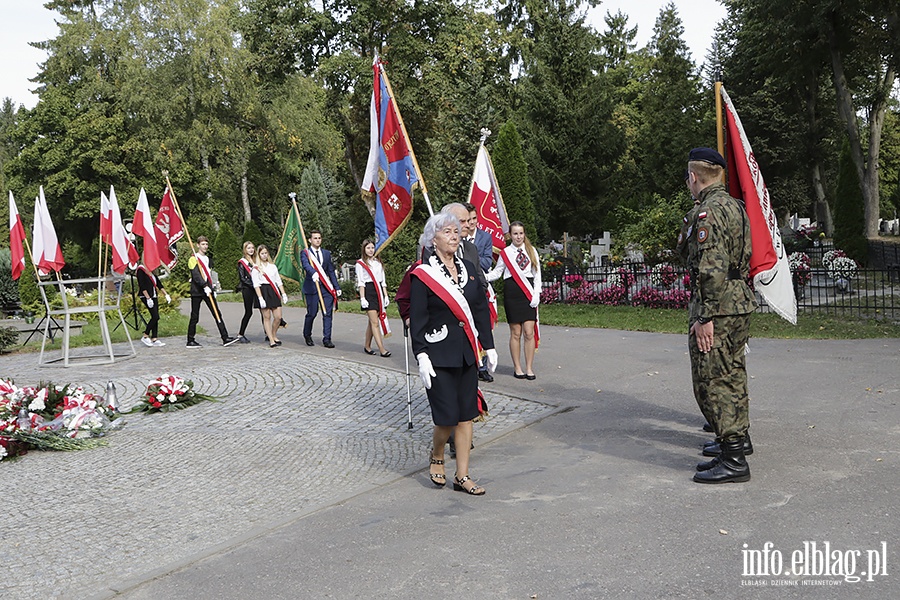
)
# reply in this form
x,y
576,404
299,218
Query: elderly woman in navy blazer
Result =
x,y
449,324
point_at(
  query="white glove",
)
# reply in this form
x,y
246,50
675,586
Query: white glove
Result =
x,y
284,299
207,291
262,302
535,300
168,298
339,293
386,300
426,371
149,302
315,277
490,360
363,303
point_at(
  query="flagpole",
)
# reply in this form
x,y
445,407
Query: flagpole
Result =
x,y
720,132
190,243
390,90
293,197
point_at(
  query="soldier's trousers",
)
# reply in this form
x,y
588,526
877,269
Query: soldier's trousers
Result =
x,y
720,377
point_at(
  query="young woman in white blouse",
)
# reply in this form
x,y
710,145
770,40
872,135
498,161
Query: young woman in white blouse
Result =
x,y
269,293
373,297
521,271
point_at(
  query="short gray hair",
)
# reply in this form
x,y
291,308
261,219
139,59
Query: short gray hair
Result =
x,y
435,224
457,207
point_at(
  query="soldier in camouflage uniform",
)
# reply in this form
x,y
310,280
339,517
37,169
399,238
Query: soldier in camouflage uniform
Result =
x,y
718,260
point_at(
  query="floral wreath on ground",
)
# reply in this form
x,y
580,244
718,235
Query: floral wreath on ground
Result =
x,y
170,392
801,267
663,275
843,267
51,417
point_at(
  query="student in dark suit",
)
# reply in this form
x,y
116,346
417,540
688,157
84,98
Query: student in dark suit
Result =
x,y
449,321
149,287
319,269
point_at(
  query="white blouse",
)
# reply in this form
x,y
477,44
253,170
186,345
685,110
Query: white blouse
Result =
x,y
362,276
532,270
271,270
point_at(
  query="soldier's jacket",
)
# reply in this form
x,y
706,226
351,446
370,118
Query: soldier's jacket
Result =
x,y
718,248
681,247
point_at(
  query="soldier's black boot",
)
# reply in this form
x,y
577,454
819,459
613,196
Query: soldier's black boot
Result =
x,y
712,448
709,464
732,465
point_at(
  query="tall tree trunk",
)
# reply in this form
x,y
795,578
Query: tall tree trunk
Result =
x,y
866,167
245,195
821,208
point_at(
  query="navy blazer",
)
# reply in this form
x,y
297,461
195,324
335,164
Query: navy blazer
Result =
x,y
485,245
309,286
437,332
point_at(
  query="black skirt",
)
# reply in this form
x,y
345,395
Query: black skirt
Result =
x,y
516,303
371,296
272,298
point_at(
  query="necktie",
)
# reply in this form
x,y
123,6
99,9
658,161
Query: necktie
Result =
x,y
522,260
319,257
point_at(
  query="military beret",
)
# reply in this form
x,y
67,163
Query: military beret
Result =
x,y
707,155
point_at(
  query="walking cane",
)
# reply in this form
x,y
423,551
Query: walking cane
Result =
x,y
406,362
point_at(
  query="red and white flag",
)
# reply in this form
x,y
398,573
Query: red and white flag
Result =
x,y
105,219
45,252
168,230
769,266
484,195
143,226
124,252
16,238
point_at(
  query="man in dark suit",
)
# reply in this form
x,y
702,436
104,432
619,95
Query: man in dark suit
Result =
x,y
320,275
483,241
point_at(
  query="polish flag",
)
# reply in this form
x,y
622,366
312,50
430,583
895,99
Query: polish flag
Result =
x,y
45,253
124,251
143,226
16,237
105,219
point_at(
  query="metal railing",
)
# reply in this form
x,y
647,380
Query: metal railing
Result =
x,y
870,293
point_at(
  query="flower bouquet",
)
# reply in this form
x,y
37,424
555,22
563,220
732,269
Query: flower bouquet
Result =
x,y
49,417
663,275
801,267
170,392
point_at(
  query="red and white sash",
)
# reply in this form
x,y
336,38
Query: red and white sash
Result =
x,y
453,297
205,270
247,266
272,283
323,278
151,276
382,314
508,256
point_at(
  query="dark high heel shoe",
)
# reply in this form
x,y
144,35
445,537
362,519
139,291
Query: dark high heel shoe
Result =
x,y
438,479
459,486
369,352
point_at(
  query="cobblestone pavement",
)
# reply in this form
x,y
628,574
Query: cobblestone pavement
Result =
x,y
294,431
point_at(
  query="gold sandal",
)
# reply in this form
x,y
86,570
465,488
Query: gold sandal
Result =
x,y
438,479
475,490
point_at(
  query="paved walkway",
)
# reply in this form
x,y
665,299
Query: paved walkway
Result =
x,y
312,487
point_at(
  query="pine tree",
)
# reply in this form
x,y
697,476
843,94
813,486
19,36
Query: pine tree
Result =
x,y
253,234
313,201
512,177
849,211
226,250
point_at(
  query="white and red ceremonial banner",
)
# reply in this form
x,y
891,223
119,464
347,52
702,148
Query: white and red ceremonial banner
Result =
x,y
769,266
105,220
123,251
143,226
45,251
16,238
484,195
168,230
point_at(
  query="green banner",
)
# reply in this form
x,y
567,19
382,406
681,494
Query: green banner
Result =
x,y
288,258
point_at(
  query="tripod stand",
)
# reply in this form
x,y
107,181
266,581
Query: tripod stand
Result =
x,y
137,319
